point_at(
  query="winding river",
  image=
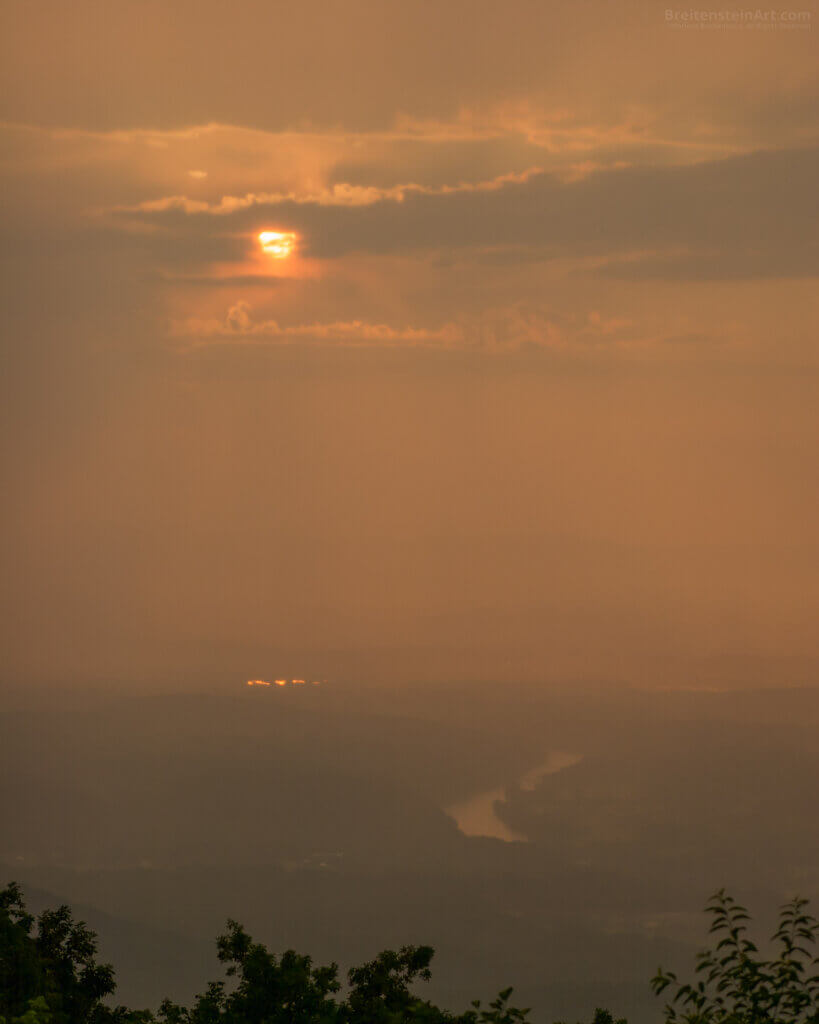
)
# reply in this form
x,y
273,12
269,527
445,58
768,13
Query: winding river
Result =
x,y
476,815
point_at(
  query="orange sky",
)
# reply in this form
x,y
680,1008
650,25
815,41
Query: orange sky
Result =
x,y
534,395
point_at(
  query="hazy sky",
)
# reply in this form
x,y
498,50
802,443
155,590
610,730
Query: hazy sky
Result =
x,y
535,395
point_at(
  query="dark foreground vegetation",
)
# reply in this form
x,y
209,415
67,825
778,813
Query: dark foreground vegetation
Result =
x,y
49,974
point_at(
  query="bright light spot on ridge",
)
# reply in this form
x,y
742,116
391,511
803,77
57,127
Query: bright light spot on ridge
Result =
x,y
283,682
278,244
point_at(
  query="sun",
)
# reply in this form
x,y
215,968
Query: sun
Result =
x,y
278,244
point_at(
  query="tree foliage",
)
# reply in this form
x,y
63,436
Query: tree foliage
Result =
x,y
735,985
49,974
289,989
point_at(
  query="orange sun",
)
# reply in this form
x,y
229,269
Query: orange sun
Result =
x,y
278,244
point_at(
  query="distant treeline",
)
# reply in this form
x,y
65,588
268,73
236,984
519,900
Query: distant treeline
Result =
x,y
49,974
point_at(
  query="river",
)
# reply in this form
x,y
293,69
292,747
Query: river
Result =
x,y
476,815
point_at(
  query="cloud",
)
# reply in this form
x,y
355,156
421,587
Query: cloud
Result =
x,y
504,329
742,216
386,61
338,194
227,166
239,325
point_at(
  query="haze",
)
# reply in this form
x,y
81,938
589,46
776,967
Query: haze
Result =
x,y
460,357
538,399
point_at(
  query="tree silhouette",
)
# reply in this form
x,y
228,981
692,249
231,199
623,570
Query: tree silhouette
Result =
x,y
735,985
49,974
48,968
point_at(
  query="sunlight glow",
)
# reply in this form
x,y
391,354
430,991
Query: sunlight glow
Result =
x,y
283,682
278,244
